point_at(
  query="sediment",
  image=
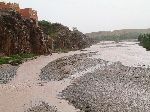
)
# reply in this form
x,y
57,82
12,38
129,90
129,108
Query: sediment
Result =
x,y
67,66
112,88
44,107
7,72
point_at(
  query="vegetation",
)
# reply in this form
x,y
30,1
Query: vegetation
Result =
x,y
62,50
48,27
62,39
117,35
144,40
15,59
57,38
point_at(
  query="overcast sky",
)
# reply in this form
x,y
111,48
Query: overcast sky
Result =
x,y
93,15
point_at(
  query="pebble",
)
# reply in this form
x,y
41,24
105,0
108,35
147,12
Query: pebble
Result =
x,y
67,66
44,107
115,88
7,72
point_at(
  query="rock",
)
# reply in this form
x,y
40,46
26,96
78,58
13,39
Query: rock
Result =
x,y
44,107
112,88
63,38
67,66
7,72
21,35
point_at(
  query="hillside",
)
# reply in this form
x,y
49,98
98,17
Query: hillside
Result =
x,y
20,35
62,38
118,34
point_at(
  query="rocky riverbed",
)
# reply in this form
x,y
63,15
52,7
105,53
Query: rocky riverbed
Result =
x,y
7,72
67,66
112,88
43,107
104,86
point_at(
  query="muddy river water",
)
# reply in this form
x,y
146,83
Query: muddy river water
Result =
x,y
25,91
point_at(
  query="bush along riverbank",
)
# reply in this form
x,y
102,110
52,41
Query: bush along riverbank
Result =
x,y
16,59
10,64
144,40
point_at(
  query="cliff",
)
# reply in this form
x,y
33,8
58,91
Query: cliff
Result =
x,y
21,35
63,38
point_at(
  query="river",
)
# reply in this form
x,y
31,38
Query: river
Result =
x,y
25,90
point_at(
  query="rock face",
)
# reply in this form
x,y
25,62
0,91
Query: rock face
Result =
x,y
21,35
68,39
63,37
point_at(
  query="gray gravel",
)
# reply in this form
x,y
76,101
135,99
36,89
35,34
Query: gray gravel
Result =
x,y
7,72
66,66
112,88
44,107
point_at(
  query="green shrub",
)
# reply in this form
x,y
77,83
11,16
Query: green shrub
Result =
x,y
15,59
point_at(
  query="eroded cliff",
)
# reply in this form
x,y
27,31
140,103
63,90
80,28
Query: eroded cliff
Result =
x,y
21,35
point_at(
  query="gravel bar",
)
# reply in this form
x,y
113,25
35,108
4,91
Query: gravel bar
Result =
x,y
112,88
66,66
44,107
7,72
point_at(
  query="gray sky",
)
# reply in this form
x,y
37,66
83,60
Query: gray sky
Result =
x,y
93,15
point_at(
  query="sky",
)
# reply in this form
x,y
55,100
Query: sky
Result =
x,y
93,15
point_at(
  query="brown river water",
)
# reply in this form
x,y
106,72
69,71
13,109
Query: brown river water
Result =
x,y
24,91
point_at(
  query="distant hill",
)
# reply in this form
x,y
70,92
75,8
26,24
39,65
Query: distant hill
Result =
x,y
118,34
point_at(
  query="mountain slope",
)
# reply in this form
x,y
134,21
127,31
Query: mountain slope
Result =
x,y
118,34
